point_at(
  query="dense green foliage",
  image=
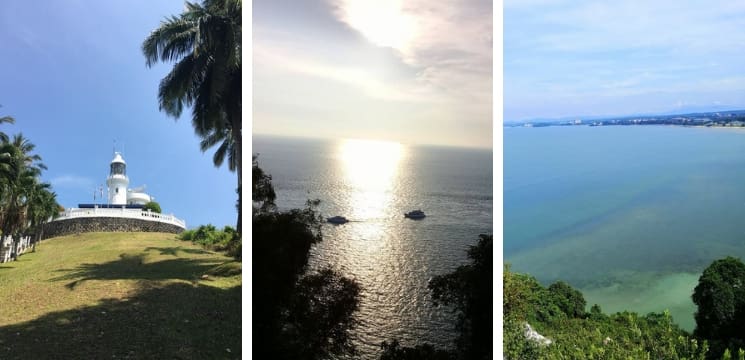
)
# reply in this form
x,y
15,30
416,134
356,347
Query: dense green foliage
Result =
x,y
554,312
152,206
26,203
468,292
720,297
205,43
209,236
296,314
558,313
262,191
569,300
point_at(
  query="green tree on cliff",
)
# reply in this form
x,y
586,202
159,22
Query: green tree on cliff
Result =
x,y
720,297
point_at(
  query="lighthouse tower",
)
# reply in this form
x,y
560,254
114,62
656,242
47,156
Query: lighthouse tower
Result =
x,y
118,181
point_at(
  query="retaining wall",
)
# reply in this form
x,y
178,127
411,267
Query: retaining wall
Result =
x,y
105,224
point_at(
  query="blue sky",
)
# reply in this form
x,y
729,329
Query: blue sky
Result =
x,y
412,71
75,80
579,57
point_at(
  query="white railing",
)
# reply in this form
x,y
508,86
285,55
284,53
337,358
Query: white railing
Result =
x,y
122,212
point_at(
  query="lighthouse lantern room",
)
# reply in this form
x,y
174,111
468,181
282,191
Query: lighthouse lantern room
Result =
x,y
118,181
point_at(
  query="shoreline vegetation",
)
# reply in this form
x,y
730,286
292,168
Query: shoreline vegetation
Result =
x,y
654,289
554,322
728,119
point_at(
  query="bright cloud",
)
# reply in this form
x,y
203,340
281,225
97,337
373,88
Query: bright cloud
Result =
x,y
620,55
449,41
387,66
360,78
383,21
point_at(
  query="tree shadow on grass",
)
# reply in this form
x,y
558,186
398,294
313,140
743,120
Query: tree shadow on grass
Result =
x,y
134,267
174,250
177,321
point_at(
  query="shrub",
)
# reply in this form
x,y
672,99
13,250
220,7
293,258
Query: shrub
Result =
x,y
187,235
211,238
152,206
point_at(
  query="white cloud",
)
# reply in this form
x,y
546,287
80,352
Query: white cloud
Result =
x,y
429,67
363,79
621,53
620,25
449,41
72,181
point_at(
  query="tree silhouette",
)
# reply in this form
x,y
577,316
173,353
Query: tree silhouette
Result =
x,y
296,315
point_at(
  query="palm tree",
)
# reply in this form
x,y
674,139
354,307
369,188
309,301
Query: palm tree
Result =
x,y
5,120
19,171
228,149
205,43
42,206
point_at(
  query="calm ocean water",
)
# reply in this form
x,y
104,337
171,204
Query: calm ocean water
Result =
x,y
631,215
393,258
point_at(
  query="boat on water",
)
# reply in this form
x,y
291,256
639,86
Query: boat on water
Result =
x,y
416,214
337,220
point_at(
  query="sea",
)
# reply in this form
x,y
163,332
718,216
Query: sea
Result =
x,y
630,215
373,183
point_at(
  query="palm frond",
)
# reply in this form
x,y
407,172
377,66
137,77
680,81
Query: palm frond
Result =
x,y
173,92
211,140
174,38
220,153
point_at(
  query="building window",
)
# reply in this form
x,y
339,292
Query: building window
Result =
x,y
118,169
117,190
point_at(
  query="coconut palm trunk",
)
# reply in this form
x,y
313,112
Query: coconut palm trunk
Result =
x,y
239,165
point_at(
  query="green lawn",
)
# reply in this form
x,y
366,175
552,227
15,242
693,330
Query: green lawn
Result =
x,y
120,296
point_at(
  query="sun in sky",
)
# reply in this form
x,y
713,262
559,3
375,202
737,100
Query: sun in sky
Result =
x,y
383,22
407,71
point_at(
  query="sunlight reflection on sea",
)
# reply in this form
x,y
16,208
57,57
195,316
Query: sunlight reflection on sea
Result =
x,y
373,184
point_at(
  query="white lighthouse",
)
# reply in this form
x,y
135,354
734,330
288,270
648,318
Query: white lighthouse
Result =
x,y
123,203
118,181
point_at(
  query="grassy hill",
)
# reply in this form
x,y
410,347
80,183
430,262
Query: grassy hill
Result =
x,y
120,296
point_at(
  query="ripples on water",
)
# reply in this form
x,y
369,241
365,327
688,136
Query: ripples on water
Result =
x,y
374,184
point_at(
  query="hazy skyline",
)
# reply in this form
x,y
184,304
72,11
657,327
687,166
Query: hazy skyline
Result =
x,y
411,71
573,58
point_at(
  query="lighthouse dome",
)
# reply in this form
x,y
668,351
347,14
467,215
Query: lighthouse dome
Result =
x,y
118,158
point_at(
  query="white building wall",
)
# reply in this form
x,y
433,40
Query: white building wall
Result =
x,y
117,189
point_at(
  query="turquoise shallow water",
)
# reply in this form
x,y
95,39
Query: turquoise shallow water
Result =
x,y
631,215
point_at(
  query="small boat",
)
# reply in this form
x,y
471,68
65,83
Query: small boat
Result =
x,y
416,214
337,220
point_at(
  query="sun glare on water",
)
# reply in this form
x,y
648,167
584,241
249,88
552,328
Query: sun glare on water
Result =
x,y
370,168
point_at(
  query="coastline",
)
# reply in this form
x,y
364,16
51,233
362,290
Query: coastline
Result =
x,y
659,292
